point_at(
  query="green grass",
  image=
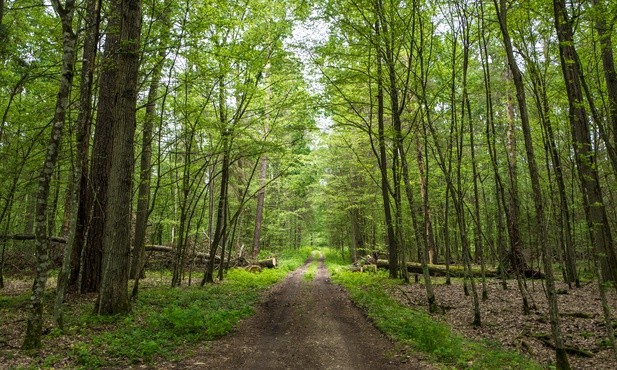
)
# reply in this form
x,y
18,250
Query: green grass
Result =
x,y
309,275
165,322
418,329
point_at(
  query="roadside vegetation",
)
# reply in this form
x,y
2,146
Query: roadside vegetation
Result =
x,y
164,324
416,329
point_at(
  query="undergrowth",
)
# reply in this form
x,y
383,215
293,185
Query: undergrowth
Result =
x,y
165,321
418,329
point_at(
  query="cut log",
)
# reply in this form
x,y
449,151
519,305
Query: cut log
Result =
x,y
269,263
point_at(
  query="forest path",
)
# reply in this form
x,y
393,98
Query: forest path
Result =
x,y
304,324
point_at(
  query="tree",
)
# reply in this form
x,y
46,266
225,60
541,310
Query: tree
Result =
x,y
585,158
113,296
34,328
541,230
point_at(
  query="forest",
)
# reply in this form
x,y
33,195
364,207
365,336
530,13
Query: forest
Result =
x,y
455,159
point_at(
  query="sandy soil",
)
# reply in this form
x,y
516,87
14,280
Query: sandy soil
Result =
x,y
304,325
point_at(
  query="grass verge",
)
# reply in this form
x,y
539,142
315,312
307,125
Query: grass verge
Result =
x,y
165,322
418,329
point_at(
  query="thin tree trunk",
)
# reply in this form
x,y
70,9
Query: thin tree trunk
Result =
x,y
145,164
34,327
608,62
458,194
595,211
261,194
84,123
383,167
427,236
541,228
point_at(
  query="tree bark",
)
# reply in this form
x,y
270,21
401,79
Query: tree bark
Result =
x,y
261,194
383,166
145,164
34,327
608,62
585,159
541,229
84,124
113,296
90,266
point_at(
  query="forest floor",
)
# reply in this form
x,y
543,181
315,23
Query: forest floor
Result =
x,y
582,320
305,322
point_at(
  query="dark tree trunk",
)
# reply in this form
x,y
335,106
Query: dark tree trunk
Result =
x,y
96,200
597,220
113,296
383,163
84,123
541,229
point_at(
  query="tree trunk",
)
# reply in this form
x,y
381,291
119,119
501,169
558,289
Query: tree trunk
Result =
x,y
261,194
383,163
585,159
221,226
563,219
608,62
96,199
113,296
145,164
84,124
34,327
541,229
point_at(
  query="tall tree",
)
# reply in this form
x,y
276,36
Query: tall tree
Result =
x,y
34,328
113,296
541,228
585,157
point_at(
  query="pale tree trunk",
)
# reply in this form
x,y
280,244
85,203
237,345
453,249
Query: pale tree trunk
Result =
x,y
541,229
261,194
34,328
113,296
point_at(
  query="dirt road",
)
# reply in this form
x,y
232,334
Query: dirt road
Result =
x,y
304,324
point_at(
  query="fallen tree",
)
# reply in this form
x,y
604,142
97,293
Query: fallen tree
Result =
x,y
240,261
455,270
55,239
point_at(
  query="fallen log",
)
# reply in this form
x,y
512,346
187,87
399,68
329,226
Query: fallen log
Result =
x,y
436,270
455,270
166,249
269,263
546,339
266,263
55,239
